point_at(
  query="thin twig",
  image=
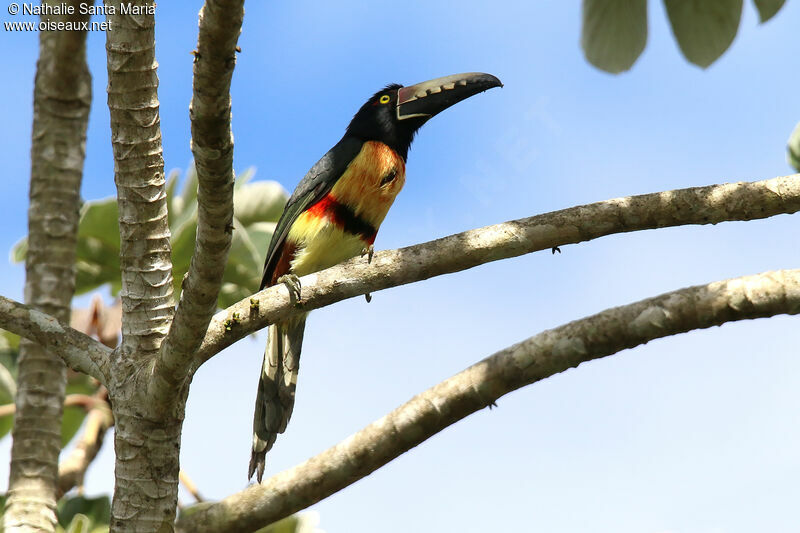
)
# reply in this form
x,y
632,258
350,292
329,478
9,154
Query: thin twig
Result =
x,y
189,485
72,469
71,400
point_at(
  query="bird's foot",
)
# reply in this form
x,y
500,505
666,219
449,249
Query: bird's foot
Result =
x,y
368,297
292,283
556,249
369,251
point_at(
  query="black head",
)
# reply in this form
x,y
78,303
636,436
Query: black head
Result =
x,y
377,121
394,114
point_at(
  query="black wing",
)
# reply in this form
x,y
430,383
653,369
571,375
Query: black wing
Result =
x,y
311,189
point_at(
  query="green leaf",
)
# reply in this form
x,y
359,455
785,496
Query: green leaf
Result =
x,y
74,415
97,511
245,262
185,205
9,349
243,178
98,247
290,524
99,220
71,423
793,148
80,524
614,33
172,183
19,250
704,29
259,201
183,240
307,521
257,206
8,389
768,8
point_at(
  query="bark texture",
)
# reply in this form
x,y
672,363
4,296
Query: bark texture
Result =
x,y
61,102
150,380
212,146
147,434
81,352
139,175
480,385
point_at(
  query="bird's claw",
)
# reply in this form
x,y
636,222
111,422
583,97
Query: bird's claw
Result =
x,y
292,283
555,249
369,251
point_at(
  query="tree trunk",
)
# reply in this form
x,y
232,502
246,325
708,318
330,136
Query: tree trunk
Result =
x,y
62,98
147,448
148,410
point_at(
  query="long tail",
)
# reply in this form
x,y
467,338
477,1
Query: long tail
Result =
x,y
276,386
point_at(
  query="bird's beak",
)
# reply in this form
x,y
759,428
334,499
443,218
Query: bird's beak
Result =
x,y
428,98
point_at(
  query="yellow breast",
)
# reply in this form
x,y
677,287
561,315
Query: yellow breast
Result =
x,y
365,186
368,187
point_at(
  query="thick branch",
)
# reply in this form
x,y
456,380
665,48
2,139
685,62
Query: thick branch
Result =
x,y
61,101
697,205
147,412
480,385
139,174
78,350
212,145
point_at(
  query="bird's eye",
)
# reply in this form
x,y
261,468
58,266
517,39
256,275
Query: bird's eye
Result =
x,y
384,99
388,178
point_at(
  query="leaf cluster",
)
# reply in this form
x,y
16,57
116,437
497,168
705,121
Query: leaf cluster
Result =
x,y
257,207
614,32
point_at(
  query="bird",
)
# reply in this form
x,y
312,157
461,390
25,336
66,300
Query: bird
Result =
x,y
333,215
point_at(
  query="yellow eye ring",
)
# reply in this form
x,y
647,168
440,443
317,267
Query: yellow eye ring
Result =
x,y
384,99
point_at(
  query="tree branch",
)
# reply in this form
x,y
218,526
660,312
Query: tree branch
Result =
x,y
212,145
480,385
78,350
190,487
139,174
696,205
70,400
148,409
62,98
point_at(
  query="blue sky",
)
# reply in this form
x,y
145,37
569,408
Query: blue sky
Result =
x,y
692,434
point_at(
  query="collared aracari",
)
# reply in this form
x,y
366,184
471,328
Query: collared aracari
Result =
x,y
334,214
